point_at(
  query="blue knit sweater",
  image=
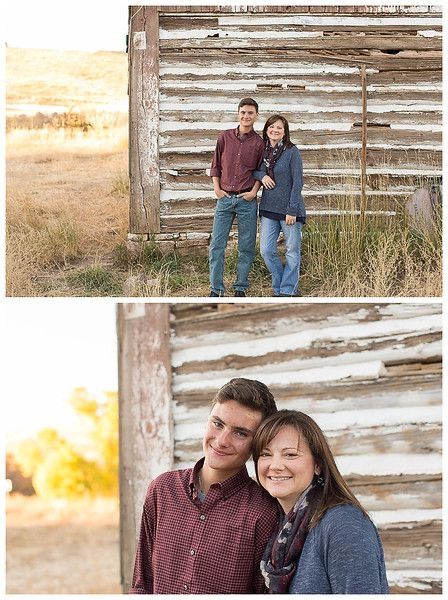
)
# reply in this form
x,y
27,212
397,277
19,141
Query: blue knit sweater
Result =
x,y
342,554
286,197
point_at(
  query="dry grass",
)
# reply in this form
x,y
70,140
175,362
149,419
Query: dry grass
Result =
x,y
69,209
67,203
61,547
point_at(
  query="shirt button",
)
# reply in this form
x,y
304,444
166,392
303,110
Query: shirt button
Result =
x,y
192,552
185,586
202,517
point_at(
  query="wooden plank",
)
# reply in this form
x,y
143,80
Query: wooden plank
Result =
x,y
252,56
382,43
280,318
143,119
384,10
321,158
413,546
146,430
317,203
198,180
319,397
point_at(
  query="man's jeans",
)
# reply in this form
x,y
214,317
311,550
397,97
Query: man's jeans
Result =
x,y
225,212
285,279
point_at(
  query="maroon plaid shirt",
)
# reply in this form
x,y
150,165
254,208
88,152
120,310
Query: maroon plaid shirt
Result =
x,y
235,159
214,547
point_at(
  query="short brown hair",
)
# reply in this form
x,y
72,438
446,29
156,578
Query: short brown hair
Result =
x,y
248,392
335,490
248,102
273,119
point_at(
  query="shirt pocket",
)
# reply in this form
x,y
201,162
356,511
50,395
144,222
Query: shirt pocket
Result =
x,y
250,159
238,539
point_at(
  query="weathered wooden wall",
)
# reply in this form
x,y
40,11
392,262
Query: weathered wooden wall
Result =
x,y
370,374
304,62
146,423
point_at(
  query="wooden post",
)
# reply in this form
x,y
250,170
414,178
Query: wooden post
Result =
x,y
143,48
363,141
145,409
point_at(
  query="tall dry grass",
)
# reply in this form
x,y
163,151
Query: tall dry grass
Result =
x,y
66,202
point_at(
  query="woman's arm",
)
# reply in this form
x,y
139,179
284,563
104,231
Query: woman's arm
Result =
x,y
260,172
352,553
295,196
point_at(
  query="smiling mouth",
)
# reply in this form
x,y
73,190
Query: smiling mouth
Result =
x,y
219,452
279,478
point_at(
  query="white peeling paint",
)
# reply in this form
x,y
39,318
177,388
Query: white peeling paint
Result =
x,y
430,33
190,423
222,34
389,517
389,464
383,417
328,127
167,104
361,370
210,347
262,69
365,21
408,578
416,127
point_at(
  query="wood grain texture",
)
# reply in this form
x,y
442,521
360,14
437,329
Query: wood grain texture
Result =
x,y
144,216
146,428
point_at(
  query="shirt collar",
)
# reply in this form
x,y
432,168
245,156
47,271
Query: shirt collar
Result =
x,y
243,136
228,486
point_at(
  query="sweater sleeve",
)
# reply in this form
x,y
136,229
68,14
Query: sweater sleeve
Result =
x,y
261,171
351,552
297,182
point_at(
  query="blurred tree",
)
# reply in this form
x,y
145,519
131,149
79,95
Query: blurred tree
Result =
x,y
59,470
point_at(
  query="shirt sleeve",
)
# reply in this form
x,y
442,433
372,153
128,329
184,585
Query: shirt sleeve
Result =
x,y
297,182
142,581
352,553
261,170
216,166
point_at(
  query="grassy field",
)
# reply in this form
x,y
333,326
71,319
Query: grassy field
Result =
x,y
61,547
67,203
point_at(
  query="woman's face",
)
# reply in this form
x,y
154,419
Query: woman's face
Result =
x,y
286,467
275,132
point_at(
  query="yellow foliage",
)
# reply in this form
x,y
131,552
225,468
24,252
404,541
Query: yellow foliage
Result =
x,y
58,470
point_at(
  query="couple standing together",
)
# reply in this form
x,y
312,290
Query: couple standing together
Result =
x,y
211,529
242,162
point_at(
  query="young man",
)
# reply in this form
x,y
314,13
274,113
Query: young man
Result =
x,y
204,529
237,154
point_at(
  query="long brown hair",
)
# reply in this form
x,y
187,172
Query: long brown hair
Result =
x,y
335,490
273,119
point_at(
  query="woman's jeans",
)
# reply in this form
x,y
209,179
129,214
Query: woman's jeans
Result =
x,y
226,211
285,279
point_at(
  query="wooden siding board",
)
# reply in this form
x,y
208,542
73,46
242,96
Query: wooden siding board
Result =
x,y
144,215
146,430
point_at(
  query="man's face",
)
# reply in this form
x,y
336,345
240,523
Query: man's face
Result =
x,y
228,437
247,115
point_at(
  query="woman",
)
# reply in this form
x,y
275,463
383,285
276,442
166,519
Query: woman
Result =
x,y
281,206
326,543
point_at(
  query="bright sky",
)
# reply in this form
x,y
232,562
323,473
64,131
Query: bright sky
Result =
x,y
53,346
82,25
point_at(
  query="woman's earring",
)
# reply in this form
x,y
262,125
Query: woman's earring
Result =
x,y
320,479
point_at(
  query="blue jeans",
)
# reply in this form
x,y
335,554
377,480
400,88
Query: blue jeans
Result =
x,y
285,279
226,211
